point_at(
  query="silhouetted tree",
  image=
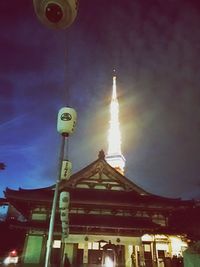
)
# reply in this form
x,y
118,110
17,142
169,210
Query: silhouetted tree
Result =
x,y
2,166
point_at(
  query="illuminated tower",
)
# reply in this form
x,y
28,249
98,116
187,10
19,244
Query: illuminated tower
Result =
x,y
114,156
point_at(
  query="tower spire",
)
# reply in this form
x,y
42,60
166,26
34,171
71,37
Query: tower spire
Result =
x,y
114,156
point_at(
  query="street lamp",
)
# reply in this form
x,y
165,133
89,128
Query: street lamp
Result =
x,y
56,14
66,123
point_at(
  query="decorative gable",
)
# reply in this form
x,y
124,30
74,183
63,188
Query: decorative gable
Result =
x,y
100,175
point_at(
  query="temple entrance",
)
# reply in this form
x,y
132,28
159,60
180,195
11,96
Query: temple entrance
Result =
x,y
98,254
113,255
109,258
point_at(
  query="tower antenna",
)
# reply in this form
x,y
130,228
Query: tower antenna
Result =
x,y
114,155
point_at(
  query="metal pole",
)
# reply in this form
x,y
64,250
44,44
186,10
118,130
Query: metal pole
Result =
x,y
53,210
62,258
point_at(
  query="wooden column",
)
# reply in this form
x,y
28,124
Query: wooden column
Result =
x,y
128,252
154,253
142,260
85,253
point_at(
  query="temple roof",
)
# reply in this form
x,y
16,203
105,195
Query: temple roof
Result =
x,y
103,200
100,175
96,185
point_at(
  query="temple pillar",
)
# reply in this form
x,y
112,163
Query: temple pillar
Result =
x,y
134,257
128,253
142,259
170,248
85,253
154,254
69,250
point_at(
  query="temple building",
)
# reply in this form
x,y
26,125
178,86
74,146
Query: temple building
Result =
x,y
112,221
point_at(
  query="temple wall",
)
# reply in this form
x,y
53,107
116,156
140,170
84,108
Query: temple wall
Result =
x,y
85,250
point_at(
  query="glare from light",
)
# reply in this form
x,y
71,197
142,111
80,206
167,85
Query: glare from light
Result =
x,y
114,156
10,260
114,136
147,237
109,262
177,245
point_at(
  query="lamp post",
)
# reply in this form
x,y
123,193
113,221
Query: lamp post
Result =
x,y
66,123
57,14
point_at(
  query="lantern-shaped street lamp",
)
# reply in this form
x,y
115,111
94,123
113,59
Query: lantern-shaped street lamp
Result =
x,y
66,123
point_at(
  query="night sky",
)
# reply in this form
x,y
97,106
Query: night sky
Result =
x,y
155,48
